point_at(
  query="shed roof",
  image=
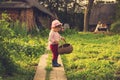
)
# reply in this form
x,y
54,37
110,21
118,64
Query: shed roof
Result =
x,y
14,5
25,4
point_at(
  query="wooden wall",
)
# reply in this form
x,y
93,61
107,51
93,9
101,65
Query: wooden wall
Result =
x,y
14,14
103,13
23,15
27,16
30,19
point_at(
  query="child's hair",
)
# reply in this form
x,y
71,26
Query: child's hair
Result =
x,y
99,22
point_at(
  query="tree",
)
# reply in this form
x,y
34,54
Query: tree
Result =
x,y
67,10
57,5
87,14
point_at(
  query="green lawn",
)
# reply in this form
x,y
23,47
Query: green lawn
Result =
x,y
95,57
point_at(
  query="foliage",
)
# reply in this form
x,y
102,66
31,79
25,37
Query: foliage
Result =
x,y
18,28
66,11
115,27
95,57
25,53
5,31
75,20
6,64
19,53
56,5
68,32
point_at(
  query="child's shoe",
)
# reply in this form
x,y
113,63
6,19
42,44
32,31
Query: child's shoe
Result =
x,y
55,64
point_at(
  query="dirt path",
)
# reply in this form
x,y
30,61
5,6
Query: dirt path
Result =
x,y
41,72
57,73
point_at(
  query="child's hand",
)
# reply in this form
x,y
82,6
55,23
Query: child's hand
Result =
x,y
62,38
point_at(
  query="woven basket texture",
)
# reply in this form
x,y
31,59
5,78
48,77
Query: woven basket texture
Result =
x,y
65,49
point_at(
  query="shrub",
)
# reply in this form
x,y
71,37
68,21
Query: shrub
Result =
x,y
5,31
19,52
6,64
1,78
18,28
115,27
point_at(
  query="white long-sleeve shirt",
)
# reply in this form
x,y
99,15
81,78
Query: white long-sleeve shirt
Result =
x,y
98,26
53,36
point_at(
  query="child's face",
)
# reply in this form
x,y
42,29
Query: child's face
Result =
x,y
58,28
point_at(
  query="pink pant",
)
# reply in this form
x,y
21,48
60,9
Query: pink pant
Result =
x,y
54,49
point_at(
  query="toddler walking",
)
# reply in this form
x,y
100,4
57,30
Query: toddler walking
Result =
x,y
54,38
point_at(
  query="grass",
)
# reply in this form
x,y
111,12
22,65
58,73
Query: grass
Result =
x,y
25,76
95,56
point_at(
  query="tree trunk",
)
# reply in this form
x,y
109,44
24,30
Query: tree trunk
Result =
x,y
66,13
57,6
87,15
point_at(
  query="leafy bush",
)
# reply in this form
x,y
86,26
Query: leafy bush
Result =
x,y
1,78
115,27
18,28
5,31
19,52
68,32
6,64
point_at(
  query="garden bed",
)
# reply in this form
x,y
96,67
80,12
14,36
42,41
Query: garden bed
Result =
x,y
95,57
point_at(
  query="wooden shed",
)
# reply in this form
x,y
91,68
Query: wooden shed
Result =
x,y
102,12
28,11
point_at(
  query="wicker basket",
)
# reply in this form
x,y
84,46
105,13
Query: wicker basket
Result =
x,y
65,49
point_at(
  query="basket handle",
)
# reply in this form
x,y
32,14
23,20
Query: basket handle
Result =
x,y
64,40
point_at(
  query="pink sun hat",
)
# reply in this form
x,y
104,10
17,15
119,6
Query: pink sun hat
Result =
x,y
55,23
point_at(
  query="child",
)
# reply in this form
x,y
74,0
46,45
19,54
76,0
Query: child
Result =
x,y
99,25
54,38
